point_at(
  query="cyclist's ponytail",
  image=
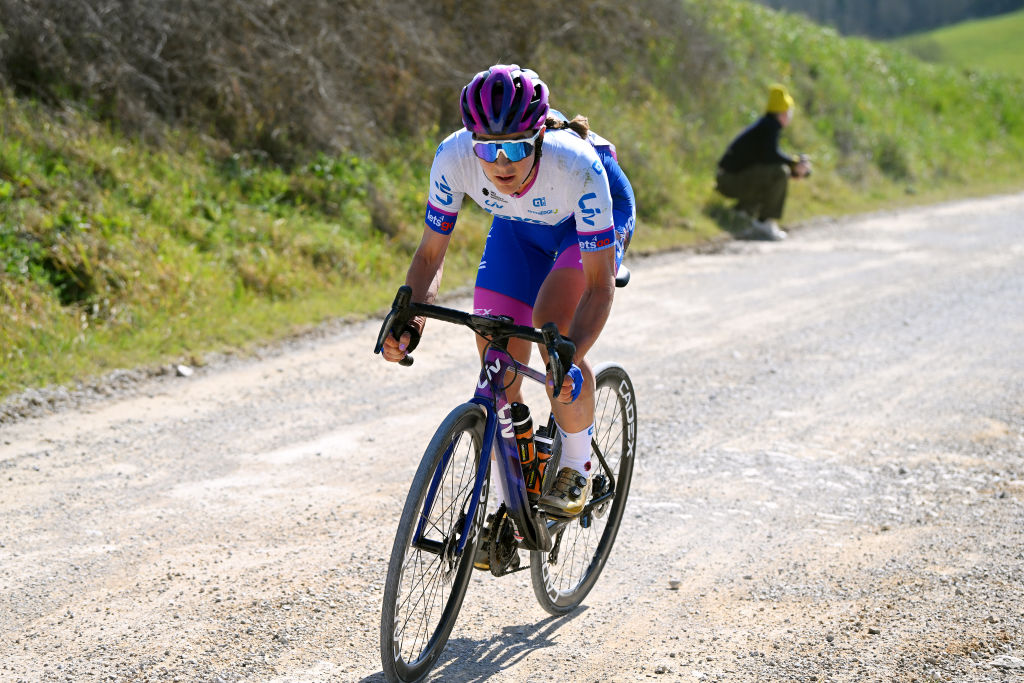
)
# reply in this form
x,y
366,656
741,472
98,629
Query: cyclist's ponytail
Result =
x,y
579,125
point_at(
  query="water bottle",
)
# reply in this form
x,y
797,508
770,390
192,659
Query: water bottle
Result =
x,y
522,425
544,444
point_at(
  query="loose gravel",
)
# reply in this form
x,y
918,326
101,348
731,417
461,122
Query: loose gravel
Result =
x,y
829,486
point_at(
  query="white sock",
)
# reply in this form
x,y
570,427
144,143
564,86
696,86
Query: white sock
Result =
x,y
500,498
576,450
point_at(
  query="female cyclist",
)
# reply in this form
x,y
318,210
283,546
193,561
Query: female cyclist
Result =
x,y
563,215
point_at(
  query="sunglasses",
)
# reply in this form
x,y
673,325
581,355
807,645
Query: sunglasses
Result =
x,y
515,150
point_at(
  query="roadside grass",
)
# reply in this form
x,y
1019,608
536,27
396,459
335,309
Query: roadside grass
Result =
x,y
118,252
992,44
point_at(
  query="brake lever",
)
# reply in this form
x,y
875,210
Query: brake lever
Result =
x,y
566,352
560,354
397,317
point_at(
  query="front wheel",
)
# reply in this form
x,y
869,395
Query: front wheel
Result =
x,y
564,576
428,572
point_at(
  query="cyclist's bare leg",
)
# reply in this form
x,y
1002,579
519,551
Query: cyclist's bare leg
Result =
x,y
520,350
489,302
556,302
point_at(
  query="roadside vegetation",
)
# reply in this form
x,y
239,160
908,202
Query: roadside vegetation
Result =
x,y
992,44
258,176
888,19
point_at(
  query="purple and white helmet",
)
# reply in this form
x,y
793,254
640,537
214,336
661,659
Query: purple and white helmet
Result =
x,y
504,99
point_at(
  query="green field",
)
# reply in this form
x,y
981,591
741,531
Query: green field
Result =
x,y
994,44
121,250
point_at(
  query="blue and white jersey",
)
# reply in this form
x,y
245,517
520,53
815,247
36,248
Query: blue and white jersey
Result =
x,y
571,181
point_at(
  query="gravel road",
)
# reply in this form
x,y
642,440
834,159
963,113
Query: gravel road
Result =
x,y
830,485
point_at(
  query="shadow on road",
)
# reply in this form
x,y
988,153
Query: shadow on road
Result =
x,y
728,220
470,661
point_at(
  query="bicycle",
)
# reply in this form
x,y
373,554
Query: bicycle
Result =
x,y
443,520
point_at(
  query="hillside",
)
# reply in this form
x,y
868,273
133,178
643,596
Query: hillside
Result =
x,y
992,44
160,204
886,19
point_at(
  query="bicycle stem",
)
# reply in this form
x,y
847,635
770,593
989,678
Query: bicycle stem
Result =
x,y
561,350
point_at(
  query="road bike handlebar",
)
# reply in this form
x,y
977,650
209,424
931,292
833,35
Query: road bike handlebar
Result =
x,y
561,350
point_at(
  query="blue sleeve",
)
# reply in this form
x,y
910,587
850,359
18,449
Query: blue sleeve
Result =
x,y
623,201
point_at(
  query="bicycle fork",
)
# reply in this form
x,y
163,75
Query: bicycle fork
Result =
x,y
439,547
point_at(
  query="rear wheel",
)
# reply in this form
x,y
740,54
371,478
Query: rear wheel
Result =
x,y
428,573
563,577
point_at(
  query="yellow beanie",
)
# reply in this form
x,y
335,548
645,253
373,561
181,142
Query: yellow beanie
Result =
x,y
779,100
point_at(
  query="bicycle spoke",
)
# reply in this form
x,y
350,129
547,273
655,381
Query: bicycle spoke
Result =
x,y
427,580
585,543
428,574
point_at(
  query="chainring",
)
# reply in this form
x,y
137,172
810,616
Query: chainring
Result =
x,y
503,549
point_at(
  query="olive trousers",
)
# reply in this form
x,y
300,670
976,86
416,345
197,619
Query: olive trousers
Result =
x,y
759,190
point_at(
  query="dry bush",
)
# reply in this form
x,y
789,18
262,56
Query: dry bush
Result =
x,y
286,76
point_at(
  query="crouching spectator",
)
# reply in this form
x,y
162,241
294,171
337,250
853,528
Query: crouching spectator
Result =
x,y
756,173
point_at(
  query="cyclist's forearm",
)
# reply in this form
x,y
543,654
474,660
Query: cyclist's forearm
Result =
x,y
591,314
427,267
596,303
425,280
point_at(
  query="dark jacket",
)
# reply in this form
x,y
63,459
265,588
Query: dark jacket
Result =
x,y
757,144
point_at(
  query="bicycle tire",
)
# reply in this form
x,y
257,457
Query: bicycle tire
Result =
x,y
424,589
561,584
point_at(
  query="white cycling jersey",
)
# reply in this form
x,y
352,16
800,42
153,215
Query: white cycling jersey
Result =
x,y
570,181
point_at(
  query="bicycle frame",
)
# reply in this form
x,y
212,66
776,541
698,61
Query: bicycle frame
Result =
x,y
535,528
490,395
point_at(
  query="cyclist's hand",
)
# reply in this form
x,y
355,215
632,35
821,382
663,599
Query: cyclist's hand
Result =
x,y
572,385
395,350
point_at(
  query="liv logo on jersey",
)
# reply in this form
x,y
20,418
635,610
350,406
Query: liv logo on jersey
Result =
x,y
444,193
587,213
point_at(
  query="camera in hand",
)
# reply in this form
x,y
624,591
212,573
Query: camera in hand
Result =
x,y
806,161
